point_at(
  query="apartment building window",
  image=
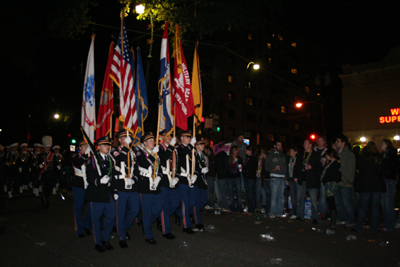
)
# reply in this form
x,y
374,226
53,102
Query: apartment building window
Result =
x,y
271,137
270,60
283,138
294,71
307,89
293,44
269,45
283,109
231,78
249,36
280,37
231,96
296,126
249,101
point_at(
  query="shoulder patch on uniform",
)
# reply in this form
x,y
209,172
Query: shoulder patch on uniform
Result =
x,y
138,154
115,153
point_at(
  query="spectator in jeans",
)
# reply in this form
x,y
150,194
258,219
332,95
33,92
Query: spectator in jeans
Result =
x,y
275,163
307,175
370,186
344,198
388,170
290,181
321,150
211,179
249,177
221,166
260,192
234,179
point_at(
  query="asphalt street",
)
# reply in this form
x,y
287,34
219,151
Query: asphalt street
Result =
x,y
31,235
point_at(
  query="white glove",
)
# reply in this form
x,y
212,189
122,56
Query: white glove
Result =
x,y
58,167
173,141
204,170
193,179
129,181
156,149
41,166
174,182
128,140
105,179
193,141
157,181
19,169
115,197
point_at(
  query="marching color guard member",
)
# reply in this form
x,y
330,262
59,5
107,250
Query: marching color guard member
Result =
x,y
200,185
150,196
58,169
24,169
169,193
79,185
128,203
186,181
100,169
11,168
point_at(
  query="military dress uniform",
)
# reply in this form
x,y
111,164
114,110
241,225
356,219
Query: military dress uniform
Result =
x,y
46,172
183,173
35,156
24,168
128,203
79,185
200,188
11,169
149,191
101,194
170,196
58,169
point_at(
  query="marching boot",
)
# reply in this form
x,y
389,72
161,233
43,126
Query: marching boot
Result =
x,y
123,244
10,194
54,191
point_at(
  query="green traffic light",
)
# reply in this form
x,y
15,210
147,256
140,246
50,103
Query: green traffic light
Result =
x,y
218,129
73,141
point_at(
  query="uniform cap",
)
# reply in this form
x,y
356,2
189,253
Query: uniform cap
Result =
x,y
123,133
147,136
13,145
23,145
82,142
105,140
56,147
185,133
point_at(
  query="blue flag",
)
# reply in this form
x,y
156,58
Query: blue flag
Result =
x,y
141,96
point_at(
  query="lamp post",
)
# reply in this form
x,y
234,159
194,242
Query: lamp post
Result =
x,y
300,104
255,67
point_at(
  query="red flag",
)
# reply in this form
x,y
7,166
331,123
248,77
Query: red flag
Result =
x,y
182,90
106,107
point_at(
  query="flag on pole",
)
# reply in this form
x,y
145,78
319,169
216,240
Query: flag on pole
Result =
x,y
182,89
122,75
141,96
196,87
166,118
88,116
106,107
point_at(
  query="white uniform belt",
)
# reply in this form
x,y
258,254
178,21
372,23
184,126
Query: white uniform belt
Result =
x,y
145,172
277,175
79,172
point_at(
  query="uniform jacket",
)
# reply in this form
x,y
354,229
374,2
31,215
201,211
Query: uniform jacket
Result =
x,y
165,154
78,160
201,162
145,161
120,154
183,171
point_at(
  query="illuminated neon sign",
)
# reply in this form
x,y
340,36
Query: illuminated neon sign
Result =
x,y
391,119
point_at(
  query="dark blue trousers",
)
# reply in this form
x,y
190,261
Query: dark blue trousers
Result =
x,y
79,201
171,201
200,200
151,209
188,201
98,210
128,208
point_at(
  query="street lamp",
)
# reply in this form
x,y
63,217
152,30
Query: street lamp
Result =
x,y
396,137
56,116
255,67
139,9
363,139
300,104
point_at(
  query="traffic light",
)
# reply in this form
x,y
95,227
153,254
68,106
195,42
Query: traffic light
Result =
x,y
312,137
215,123
73,141
218,129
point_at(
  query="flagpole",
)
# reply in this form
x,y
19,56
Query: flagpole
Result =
x,y
157,134
174,153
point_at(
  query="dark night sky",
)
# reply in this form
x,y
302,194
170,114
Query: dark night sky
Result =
x,y
41,72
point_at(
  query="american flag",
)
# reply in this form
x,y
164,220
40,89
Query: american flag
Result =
x,y
122,75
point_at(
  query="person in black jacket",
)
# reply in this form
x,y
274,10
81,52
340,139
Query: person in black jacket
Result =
x,y
250,167
307,175
234,179
221,166
128,203
388,170
370,186
330,176
79,185
101,193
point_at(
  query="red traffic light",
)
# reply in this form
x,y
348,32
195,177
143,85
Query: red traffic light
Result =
x,y
202,119
313,136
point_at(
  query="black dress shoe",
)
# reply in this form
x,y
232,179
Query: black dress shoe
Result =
x,y
81,235
169,236
107,245
200,227
315,221
299,219
188,230
123,244
99,248
128,237
177,220
87,232
159,226
151,241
